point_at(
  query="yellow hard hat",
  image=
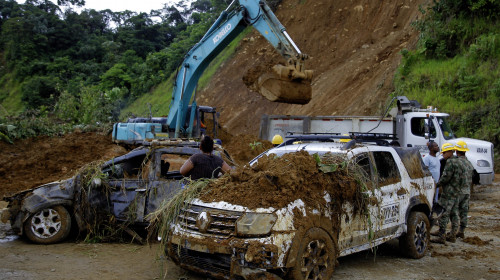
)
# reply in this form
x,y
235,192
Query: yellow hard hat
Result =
x,y
447,147
277,139
461,146
345,140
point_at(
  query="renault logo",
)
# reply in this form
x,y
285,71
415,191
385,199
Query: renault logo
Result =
x,y
203,221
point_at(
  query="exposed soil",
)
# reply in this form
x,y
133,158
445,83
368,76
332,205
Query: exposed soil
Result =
x,y
31,162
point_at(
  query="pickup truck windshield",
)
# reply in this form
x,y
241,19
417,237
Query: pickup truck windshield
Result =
x,y
445,127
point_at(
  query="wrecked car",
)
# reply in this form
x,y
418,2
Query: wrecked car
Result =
x,y
127,188
257,235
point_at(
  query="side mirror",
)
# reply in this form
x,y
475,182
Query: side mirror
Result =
x,y
427,127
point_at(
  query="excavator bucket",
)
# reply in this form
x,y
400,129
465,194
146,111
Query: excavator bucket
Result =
x,y
282,86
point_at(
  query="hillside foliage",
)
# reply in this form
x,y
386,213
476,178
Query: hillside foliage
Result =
x,y
85,67
456,66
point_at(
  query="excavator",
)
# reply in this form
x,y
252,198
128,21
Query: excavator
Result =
x,y
289,83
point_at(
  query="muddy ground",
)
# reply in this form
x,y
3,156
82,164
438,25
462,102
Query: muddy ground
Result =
x,y
478,259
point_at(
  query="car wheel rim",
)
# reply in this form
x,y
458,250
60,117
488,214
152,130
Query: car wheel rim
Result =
x,y
420,237
46,223
315,260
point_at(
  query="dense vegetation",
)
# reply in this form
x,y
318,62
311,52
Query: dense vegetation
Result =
x,y
456,66
60,65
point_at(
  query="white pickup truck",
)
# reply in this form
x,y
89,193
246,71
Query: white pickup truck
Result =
x,y
412,126
228,241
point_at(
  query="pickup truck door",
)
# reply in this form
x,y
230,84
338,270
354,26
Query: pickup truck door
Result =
x,y
356,228
389,183
385,194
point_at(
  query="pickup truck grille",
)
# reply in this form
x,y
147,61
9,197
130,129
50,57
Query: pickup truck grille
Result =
x,y
220,223
215,264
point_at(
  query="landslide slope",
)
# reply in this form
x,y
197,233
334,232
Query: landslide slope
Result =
x,y
354,48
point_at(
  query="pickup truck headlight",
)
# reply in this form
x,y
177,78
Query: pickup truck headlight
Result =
x,y
483,163
255,224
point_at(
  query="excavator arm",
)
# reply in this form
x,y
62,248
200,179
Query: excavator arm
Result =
x,y
289,83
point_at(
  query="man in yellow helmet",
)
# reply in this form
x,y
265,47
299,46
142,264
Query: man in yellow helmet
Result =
x,y
450,184
461,209
277,139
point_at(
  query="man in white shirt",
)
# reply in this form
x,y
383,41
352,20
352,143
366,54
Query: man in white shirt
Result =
x,y
432,161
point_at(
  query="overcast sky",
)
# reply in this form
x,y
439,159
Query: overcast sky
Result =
x,y
122,5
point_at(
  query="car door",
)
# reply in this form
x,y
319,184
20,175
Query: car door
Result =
x,y
391,193
127,188
166,179
356,227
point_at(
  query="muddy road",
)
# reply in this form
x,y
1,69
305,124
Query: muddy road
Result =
x,y
476,257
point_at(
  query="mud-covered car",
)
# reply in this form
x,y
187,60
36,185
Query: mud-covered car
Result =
x,y
128,187
230,241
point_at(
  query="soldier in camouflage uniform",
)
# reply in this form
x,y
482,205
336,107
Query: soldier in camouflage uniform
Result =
x,y
461,208
451,182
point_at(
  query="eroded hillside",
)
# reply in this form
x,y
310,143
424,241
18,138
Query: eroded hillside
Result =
x,y
354,48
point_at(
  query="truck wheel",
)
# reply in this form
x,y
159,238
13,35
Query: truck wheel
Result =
x,y
415,242
316,256
49,225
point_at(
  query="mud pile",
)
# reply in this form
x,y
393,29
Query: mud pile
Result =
x,y
32,162
278,181
245,147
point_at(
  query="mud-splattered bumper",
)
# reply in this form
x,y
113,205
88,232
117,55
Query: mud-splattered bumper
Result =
x,y
230,258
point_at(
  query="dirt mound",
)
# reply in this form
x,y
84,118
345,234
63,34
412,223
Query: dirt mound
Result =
x,y
31,162
476,241
244,147
278,181
354,48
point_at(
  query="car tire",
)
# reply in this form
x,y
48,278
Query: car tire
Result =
x,y
316,256
48,225
415,242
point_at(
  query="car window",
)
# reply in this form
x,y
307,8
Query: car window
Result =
x,y
171,164
413,162
363,161
387,169
418,127
134,167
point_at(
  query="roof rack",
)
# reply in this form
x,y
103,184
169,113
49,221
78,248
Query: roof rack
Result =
x,y
380,139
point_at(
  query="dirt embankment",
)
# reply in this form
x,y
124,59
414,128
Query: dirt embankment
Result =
x,y
32,162
354,48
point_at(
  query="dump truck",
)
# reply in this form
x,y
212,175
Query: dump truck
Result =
x,y
410,124
289,83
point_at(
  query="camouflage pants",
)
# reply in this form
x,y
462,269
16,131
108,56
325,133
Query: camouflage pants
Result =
x,y
448,202
461,209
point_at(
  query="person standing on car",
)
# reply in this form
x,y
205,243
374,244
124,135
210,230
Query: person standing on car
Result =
x,y
450,183
204,164
461,209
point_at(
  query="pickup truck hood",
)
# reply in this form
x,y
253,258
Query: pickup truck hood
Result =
x,y
222,205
